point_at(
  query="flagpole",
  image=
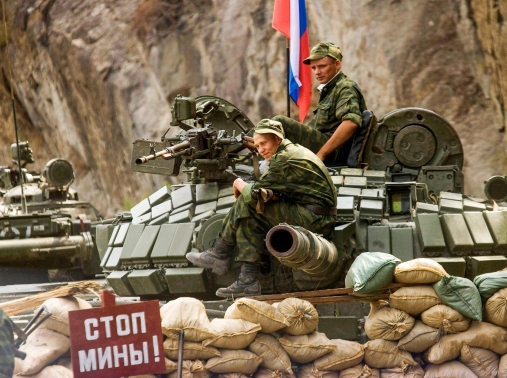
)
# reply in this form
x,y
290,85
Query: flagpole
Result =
x,y
287,58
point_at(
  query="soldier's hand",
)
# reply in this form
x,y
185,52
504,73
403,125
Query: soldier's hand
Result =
x,y
320,155
238,186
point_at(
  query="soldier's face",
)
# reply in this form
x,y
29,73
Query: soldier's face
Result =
x,y
266,144
324,69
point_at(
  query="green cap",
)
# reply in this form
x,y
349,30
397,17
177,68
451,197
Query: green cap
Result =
x,y
268,126
322,50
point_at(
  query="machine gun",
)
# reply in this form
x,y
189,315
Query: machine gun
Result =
x,y
207,154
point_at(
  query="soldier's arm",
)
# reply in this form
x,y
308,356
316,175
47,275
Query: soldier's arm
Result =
x,y
342,134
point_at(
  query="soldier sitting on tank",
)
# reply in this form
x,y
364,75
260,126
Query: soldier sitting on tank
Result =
x,y
296,189
338,114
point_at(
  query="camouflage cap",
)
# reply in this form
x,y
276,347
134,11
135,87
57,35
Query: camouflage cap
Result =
x,y
267,126
322,50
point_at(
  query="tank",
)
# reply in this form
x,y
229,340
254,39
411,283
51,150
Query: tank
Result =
x,y
406,198
47,231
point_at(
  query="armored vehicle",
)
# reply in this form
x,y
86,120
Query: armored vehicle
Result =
x,y
44,226
405,197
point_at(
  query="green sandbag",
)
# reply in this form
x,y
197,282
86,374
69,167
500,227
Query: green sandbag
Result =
x,y
461,295
370,272
489,283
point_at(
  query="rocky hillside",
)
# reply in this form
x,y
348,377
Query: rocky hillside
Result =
x,y
91,76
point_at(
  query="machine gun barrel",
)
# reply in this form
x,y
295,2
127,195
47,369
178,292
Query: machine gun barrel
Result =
x,y
299,248
171,151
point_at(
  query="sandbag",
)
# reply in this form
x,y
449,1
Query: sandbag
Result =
x,y
388,323
419,271
460,294
188,314
234,361
170,365
231,375
191,369
420,338
489,283
42,347
384,354
307,348
266,373
448,369
268,317
274,357
54,371
191,350
347,354
495,309
370,272
59,308
446,319
483,362
360,371
479,335
301,315
502,367
232,333
410,371
414,299
310,371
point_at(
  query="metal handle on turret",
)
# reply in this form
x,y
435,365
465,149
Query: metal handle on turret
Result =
x,y
167,153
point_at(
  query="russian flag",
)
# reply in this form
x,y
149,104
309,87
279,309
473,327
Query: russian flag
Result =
x,y
289,18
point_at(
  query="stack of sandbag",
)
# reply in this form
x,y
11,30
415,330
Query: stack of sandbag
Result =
x,y
47,348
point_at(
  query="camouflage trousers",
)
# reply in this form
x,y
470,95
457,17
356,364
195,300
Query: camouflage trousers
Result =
x,y
247,229
6,347
310,138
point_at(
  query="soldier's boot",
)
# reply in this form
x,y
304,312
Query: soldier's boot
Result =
x,y
246,285
217,258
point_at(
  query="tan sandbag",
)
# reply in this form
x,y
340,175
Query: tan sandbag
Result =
x,y
420,338
191,369
234,361
483,362
274,357
495,308
479,335
269,318
360,371
414,299
266,373
446,319
310,371
448,369
143,376
347,354
54,371
188,314
191,350
232,333
231,375
384,354
409,371
170,365
388,323
59,308
307,348
502,367
301,315
419,271
42,347
64,361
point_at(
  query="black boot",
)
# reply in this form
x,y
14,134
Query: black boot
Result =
x,y
246,285
217,258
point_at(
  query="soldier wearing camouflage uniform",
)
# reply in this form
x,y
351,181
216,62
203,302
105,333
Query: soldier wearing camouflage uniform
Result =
x,y
338,114
6,347
296,189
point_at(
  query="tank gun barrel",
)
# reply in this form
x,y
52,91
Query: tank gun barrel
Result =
x,y
299,248
167,153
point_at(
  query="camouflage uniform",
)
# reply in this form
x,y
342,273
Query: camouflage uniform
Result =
x,y
340,100
6,347
303,179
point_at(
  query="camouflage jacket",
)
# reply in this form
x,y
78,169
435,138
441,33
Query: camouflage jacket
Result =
x,y
299,174
340,99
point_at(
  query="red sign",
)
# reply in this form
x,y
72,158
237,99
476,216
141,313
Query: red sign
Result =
x,y
117,341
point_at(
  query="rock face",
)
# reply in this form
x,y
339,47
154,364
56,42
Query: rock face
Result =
x,y
91,76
